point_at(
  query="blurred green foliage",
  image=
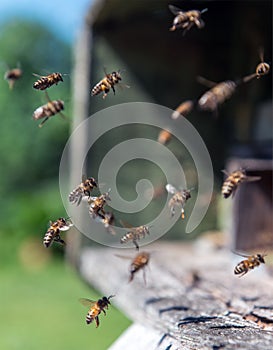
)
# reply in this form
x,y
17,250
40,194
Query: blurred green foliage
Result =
x,y
29,156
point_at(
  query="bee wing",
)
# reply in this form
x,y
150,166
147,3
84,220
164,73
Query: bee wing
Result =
x,y
170,188
84,177
225,172
38,75
87,302
123,257
241,254
175,10
261,53
252,178
125,224
206,82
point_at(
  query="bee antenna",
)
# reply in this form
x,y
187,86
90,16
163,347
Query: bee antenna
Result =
x,y
111,296
205,10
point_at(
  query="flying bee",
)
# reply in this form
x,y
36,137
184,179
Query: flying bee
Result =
x,y
47,81
48,110
12,76
139,262
217,95
186,20
96,307
108,220
96,205
234,179
179,198
250,263
262,68
53,232
107,83
84,189
135,234
183,109
164,137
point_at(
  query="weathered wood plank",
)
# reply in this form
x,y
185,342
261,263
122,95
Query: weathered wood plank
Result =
x,y
191,295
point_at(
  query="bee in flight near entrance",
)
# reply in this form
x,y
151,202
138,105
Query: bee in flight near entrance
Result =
x,y
96,307
47,81
84,189
53,232
234,179
108,221
139,262
96,205
135,234
107,83
164,137
262,68
186,19
179,198
217,95
250,263
12,75
48,110
183,109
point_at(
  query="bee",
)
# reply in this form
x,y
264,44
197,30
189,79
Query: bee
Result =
x,y
250,263
107,83
96,205
84,189
186,20
164,137
135,234
96,307
47,81
139,262
179,198
12,76
53,232
108,220
262,68
234,179
183,109
48,110
217,95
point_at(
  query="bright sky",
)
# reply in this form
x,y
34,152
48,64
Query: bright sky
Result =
x,y
64,17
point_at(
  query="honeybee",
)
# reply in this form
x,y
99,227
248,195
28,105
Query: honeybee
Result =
x,y
48,110
84,189
47,81
12,75
96,205
135,234
53,232
218,94
164,137
107,83
139,262
186,20
179,198
262,68
183,109
96,307
108,220
250,263
234,179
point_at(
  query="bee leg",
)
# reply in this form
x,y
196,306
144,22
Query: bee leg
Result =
x,y
97,321
131,277
135,243
114,91
104,311
79,200
144,277
42,123
58,239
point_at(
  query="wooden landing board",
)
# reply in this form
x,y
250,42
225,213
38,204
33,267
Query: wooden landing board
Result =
x,y
191,296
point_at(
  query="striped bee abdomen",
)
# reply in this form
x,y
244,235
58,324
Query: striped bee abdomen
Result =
x,y
48,238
